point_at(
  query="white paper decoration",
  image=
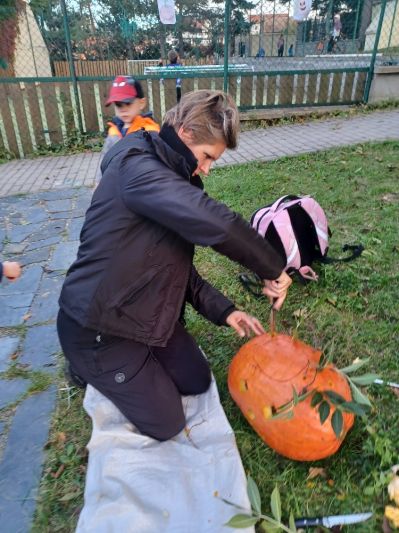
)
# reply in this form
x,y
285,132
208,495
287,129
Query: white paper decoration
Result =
x,y
302,9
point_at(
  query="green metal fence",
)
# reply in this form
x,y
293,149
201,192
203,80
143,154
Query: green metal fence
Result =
x,y
57,58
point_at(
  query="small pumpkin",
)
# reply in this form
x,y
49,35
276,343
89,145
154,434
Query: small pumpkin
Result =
x,y
269,372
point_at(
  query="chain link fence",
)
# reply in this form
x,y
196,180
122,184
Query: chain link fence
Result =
x,y
57,58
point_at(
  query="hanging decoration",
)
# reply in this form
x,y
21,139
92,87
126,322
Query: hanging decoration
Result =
x,y
302,9
167,12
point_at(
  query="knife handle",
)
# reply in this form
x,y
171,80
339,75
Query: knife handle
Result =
x,y
308,522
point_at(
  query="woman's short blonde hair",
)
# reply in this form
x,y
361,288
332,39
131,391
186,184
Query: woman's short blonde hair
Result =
x,y
208,116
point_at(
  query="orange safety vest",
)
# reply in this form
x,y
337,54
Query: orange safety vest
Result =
x,y
138,123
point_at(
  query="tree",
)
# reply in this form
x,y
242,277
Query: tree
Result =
x,y
9,11
238,21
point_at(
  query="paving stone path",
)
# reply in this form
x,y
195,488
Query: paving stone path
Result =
x,y
41,230
26,176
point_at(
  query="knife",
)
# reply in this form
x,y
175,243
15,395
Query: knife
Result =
x,y
331,521
389,383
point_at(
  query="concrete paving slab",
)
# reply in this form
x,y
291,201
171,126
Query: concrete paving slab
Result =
x,y
40,348
11,390
64,255
22,462
8,346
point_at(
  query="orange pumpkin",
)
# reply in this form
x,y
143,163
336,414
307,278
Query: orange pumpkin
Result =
x,y
261,379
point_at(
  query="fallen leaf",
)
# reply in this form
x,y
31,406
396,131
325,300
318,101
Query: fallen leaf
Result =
x,y
57,474
14,356
330,482
316,472
300,313
69,496
61,437
26,316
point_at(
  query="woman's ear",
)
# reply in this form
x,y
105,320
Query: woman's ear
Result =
x,y
184,135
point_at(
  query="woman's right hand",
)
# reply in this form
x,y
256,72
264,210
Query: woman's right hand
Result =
x,y
276,290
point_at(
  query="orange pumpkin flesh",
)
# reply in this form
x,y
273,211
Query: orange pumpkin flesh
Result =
x,y
261,379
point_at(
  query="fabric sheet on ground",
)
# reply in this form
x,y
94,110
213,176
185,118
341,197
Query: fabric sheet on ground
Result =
x,y
137,484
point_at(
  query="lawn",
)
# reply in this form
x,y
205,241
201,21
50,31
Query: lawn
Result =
x,y
352,311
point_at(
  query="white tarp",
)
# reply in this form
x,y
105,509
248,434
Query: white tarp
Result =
x,y
136,484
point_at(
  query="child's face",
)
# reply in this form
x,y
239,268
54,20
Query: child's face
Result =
x,y
128,112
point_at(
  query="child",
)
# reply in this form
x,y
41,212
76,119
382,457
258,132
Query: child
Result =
x,y
128,98
10,269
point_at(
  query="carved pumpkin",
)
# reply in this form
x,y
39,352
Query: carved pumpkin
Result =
x,y
261,379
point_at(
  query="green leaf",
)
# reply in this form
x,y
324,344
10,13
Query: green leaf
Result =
x,y
269,528
254,495
295,396
240,521
275,504
316,399
366,379
291,523
358,396
337,422
353,407
355,366
335,399
324,411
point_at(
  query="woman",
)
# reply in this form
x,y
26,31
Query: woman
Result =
x,y
121,319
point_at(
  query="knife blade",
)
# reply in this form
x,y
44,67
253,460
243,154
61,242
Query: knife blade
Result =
x,y
389,383
331,521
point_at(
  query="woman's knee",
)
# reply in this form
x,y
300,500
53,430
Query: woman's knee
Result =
x,y
200,382
165,432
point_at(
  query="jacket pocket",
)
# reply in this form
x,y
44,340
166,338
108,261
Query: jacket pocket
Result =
x,y
143,304
128,292
119,360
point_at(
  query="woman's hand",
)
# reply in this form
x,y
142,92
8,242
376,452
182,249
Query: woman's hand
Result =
x,y
276,290
11,270
244,324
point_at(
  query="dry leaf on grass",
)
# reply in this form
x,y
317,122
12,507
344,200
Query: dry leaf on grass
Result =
x,y
316,472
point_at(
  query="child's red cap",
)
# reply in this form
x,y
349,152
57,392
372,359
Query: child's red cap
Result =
x,y
124,89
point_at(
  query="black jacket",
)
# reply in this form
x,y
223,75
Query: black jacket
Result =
x,y
134,267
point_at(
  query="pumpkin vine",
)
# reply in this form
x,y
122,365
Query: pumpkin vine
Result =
x,y
328,400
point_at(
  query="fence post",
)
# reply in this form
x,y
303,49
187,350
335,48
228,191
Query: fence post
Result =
x,y
71,64
356,21
374,53
226,44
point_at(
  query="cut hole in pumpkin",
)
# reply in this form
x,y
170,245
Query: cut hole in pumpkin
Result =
x,y
243,385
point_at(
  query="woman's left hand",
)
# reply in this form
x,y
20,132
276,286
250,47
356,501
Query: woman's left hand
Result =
x,y
244,324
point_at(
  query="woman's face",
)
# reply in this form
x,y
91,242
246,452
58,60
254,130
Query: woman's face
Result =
x,y
206,154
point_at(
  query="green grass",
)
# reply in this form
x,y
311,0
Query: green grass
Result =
x,y
353,310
